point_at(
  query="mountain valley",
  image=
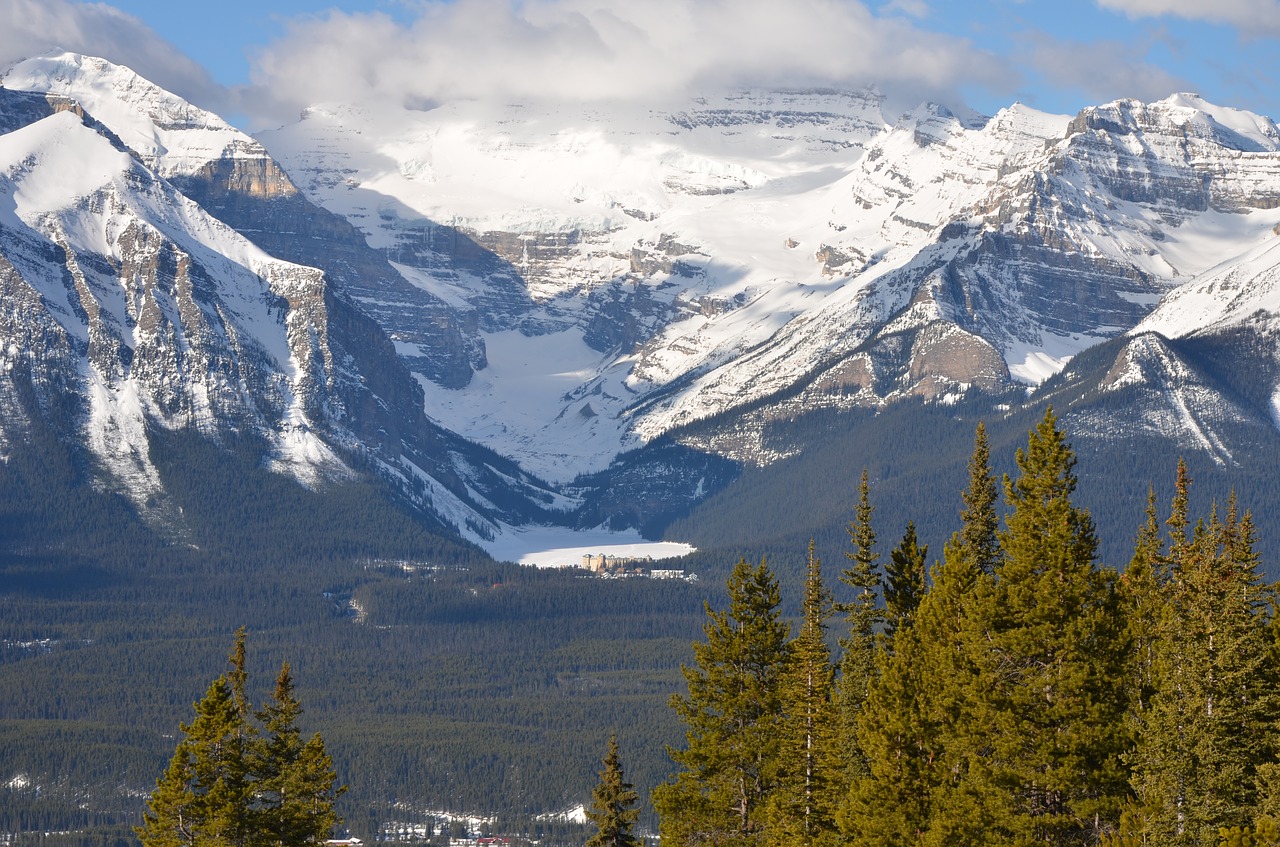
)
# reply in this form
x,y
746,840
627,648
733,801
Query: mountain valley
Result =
x,y
272,379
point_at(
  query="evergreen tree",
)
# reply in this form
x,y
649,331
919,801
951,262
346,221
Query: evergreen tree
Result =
x,y
1143,590
613,802
904,580
808,795
1204,749
229,785
294,787
858,647
979,518
733,718
238,677
890,805
1045,733
204,795
913,792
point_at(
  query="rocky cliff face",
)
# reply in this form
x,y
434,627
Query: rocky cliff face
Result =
x,y
129,306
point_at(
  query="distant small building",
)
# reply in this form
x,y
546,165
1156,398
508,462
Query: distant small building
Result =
x,y
617,565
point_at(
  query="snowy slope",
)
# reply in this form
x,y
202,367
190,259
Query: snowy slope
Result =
x,y
563,283
171,136
1243,291
669,264
136,307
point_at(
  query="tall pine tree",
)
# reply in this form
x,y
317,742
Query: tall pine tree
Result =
x,y
912,793
204,796
230,784
858,647
1207,740
811,780
904,580
294,783
1045,726
613,804
733,716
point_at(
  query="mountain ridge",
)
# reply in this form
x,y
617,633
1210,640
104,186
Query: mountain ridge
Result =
x,y
572,286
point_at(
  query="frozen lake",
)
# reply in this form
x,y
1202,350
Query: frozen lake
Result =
x,y
557,547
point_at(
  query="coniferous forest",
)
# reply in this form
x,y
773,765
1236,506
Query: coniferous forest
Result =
x,y
1006,689
1020,694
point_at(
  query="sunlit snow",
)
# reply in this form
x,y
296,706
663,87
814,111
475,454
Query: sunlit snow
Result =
x,y
557,547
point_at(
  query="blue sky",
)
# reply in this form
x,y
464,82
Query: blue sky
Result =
x,y
264,59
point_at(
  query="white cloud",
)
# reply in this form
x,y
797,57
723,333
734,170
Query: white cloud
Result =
x,y
603,49
1252,17
32,27
914,8
1102,70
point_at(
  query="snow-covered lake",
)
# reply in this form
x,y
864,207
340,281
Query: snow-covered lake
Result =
x,y
557,547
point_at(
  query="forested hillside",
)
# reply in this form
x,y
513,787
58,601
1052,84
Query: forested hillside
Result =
x,y
1001,687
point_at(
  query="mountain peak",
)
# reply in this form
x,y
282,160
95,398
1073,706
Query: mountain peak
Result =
x,y
98,83
1187,114
167,132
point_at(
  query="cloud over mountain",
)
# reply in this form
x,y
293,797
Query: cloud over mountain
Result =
x,y
32,27
579,50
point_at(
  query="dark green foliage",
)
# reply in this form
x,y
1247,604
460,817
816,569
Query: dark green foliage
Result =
x,y
890,804
465,684
1142,592
864,616
1045,733
920,695
204,795
232,783
811,778
998,718
979,519
733,713
904,580
295,782
1208,741
442,680
613,801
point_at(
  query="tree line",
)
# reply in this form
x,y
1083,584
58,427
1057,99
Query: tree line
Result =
x,y
1015,693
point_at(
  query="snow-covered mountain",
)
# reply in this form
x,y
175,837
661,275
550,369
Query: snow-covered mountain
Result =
x,y
651,268
136,307
574,287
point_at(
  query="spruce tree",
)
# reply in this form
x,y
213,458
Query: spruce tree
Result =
x,y
1207,741
890,805
913,792
1045,729
613,804
810,782
733,718
203,797
904,580
231,785
858,647
294,779
1143,590
979,519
